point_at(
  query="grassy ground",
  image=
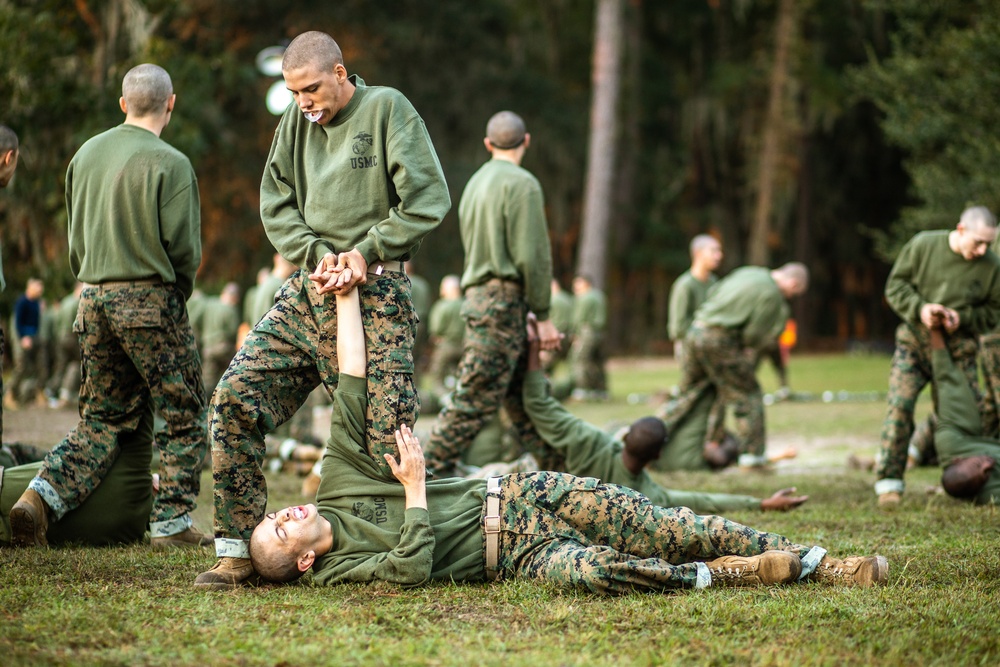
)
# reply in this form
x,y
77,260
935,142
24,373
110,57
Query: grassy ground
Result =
x,y
135,606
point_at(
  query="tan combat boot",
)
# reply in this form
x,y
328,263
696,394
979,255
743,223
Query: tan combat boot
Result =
x,y
188,538
770,567
29,521
853,571
890,500
227,573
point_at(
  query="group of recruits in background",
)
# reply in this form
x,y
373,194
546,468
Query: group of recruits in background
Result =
x,y
139,356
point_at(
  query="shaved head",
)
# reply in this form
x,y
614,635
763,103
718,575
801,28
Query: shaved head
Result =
x,y
147,89
8,139
506,130
977,217
313,48
795,278
702,242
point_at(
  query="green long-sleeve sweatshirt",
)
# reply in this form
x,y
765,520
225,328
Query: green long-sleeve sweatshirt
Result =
x,y
134,210
502,220
590,452
686,295
590,311
369,179
374,536
959,431
927,270
446,321
749,301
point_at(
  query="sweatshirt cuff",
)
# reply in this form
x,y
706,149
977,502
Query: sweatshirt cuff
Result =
x,y
368,250
418,515
350,384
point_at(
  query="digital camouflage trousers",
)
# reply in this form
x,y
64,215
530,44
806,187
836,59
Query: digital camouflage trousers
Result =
x,y
715,355
490,374
610,539
289,352
137,353
910,372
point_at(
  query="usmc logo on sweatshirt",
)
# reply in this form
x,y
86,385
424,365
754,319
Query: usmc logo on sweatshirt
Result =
x,y
362,144
365,512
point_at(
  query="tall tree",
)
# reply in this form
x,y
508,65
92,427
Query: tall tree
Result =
x,y
776,133
602,152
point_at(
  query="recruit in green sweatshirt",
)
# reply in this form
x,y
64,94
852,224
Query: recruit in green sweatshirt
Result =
x,y
502,219
590,452
374,535
134,211
959,431
369,179
686,295
927,270
748,301
590,311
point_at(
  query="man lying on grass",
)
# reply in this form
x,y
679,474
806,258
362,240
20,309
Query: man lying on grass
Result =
x,y
575,446
969,459
541,525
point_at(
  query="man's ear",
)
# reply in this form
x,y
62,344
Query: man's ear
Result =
x,y
306,560
122,105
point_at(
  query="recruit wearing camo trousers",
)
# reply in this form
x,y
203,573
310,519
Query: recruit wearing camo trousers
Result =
x,y
137,349
577,531
491,372
911,371
715,354
290,351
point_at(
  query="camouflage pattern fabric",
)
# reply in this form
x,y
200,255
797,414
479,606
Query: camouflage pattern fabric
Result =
x,y
989,360
716,355
491,373
610,539
136,346
289,352
911,371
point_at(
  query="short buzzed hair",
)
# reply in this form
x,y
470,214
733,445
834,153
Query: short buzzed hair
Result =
x,y
506,130
645,439
146,89
959,481
798,272
701,242
312,48
8,139
976,217
274,565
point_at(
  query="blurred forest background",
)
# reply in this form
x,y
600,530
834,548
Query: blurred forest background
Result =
x,y
825,131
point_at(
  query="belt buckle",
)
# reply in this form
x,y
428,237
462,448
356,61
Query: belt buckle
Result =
x,y
492,524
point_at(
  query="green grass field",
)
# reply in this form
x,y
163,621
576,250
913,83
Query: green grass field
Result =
x,y
136,606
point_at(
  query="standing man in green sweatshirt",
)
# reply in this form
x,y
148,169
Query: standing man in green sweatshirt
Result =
x,y
955,270
690,289
745,312
135,238
352,182
9,151
508,271
587,357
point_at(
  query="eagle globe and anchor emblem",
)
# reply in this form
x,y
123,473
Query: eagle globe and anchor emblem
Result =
x,y
363,143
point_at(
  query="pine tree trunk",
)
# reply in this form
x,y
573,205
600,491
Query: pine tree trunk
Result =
x,y
599,196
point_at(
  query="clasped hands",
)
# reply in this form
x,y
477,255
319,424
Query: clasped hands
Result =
x,y
340,273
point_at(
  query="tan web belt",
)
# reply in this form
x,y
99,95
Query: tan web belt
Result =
x,y
378,268
491,526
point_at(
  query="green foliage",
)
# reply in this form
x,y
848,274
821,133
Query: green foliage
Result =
x,y
934,94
